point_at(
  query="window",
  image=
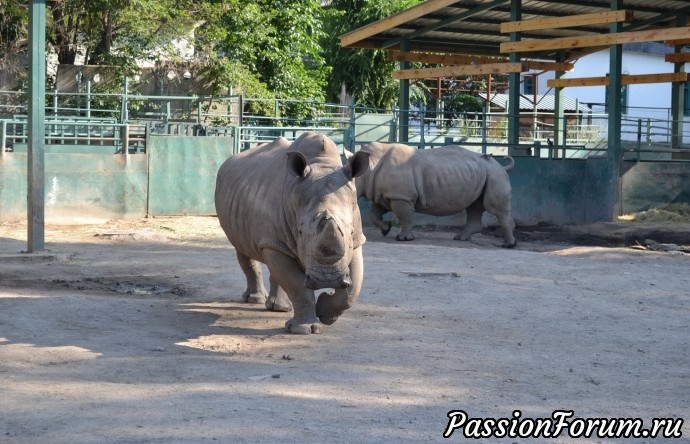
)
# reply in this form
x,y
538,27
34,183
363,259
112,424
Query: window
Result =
x,y
686,99
528,85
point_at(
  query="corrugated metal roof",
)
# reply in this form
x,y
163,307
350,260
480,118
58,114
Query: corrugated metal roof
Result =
x,y
473,26
546,102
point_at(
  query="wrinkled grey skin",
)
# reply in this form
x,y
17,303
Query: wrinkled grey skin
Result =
x,y
438,182
294,208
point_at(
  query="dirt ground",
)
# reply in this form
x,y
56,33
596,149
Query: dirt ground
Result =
x,y
132,332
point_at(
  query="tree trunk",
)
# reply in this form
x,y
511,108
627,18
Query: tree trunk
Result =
x,y
64,47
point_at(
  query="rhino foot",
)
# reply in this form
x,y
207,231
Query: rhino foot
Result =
x,y
461,237
296,328
328,320
386,229
404,237
509,245
326,311
273,304
254,298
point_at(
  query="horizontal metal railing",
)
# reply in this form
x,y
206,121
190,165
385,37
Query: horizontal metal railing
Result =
x,y
120,138
75,118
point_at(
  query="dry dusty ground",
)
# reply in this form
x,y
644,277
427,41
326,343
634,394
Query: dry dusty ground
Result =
x,y
131,332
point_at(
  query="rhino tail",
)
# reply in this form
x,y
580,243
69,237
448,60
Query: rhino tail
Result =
x,y
511,163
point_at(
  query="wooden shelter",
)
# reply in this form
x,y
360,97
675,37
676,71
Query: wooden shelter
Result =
x,y
478,37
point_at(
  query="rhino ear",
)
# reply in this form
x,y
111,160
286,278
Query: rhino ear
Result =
x,y
358,164
297,163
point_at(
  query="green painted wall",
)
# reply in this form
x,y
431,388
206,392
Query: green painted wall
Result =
x,y
182,173
79,187
178,174
548,190
13,183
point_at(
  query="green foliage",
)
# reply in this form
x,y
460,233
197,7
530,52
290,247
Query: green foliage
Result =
x,y
267,49
458,103
367,74
14,19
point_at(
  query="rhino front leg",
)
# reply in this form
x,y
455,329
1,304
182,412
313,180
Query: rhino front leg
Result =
x,y
404,211
286,272
255,292
277,298
376,217
330,307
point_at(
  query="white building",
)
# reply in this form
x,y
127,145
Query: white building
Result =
x,y
648,102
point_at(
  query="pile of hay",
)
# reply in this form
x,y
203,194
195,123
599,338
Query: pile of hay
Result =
x,y
671,213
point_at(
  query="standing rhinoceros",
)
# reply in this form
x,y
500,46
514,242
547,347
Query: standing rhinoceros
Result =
x,y
438,182
294,208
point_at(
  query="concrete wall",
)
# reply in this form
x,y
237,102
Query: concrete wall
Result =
x,y
78,187
177,176
553,191
182,173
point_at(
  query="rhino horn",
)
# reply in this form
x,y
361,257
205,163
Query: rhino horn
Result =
x,y
331,244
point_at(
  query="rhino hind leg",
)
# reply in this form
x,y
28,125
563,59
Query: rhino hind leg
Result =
x,y
287,274
277,299
376,217
404,211
505,221
474,221
255,292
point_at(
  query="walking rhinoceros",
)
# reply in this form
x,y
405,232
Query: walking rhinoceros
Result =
x,y
294,208
438,182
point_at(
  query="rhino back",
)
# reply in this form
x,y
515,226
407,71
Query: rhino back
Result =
x,y
448,180
249,199
440,181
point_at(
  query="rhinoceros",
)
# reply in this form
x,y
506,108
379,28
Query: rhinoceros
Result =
x,y
439,182
294,208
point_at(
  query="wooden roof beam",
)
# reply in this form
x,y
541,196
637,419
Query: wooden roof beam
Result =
x,y
442,59
596,18
549,66
461,59
445,22
626,79
678,42
388,23
459,70
678,57
654,35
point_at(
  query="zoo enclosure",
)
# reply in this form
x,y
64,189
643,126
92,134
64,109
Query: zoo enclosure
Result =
x,y
113,156
124,123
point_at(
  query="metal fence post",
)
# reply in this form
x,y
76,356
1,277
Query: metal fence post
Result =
x,y
125,140
639,138
3,138
88,99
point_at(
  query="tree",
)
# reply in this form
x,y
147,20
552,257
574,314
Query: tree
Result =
x,y
14,18
118,32
275,42
366,74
